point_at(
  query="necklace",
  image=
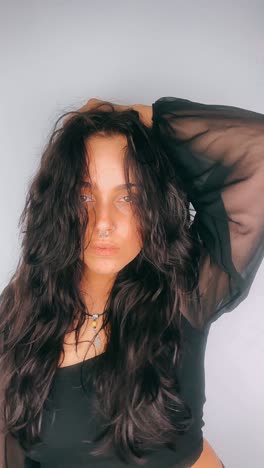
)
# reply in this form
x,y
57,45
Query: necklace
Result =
x,y
98,341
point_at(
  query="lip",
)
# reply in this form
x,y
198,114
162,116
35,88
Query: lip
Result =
x,y
104,245
104,251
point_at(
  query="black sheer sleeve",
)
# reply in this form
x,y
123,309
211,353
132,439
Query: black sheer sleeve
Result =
x,y
218,152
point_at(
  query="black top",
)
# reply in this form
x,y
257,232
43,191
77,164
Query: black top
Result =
x,y
219,154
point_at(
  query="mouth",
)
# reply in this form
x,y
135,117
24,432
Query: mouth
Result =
x,y
104,251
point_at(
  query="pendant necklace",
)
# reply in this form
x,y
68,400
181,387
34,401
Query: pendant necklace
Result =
x,y
98,341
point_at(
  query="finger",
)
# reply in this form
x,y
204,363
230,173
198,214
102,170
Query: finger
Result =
x,y
90,104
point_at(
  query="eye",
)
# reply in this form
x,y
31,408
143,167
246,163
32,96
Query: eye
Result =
x,y
130,199
84,196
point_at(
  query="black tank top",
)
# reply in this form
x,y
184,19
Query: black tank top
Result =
x,y
69,423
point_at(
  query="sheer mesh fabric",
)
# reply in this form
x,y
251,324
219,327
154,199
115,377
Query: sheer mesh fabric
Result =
x,y
218,152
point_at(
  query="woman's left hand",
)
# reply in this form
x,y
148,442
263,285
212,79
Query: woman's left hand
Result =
x,y
145,112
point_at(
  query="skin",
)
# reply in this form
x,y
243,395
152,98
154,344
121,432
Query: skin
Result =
x,y
113,209
208,457
106,170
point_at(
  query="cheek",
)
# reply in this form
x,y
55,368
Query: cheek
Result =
x,y
132,243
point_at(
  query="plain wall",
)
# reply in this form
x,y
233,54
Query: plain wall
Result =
x,y
55,55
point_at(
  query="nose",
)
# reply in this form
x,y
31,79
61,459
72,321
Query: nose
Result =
x,y
104,216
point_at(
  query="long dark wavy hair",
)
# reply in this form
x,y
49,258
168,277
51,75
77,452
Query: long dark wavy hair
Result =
x,y
134,379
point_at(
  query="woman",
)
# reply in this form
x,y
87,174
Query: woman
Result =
x,y
104,324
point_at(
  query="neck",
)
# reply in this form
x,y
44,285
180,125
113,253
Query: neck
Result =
x,y
95,289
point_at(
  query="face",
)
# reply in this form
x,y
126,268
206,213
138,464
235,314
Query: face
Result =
x,y
112,206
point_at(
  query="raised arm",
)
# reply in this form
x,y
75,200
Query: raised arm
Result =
x,y
218,151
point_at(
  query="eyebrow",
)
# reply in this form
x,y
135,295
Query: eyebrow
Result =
x,y
118,187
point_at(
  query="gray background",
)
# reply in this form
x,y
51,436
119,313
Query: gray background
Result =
x,y
55,55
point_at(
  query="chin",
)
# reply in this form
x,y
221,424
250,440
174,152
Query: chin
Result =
x,y
103,267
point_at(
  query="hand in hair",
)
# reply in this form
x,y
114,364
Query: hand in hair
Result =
x,y
145,112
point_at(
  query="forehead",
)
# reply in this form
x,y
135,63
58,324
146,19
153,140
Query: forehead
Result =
x,y
106,147
106,159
